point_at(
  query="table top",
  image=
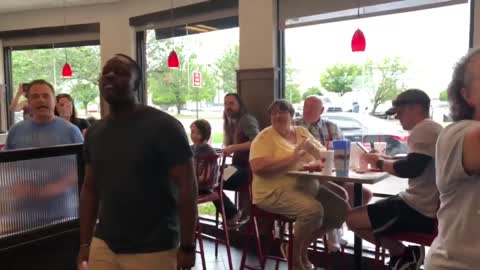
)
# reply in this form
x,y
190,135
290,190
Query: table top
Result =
x,y
353,177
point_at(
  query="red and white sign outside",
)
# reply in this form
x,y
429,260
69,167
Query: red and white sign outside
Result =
x,y
197,79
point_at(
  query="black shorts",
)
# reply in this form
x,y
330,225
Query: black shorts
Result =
x,y
393,215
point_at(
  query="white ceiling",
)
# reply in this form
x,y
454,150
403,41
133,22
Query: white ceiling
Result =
x,y
8,6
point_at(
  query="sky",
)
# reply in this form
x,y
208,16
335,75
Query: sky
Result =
x,y
429,42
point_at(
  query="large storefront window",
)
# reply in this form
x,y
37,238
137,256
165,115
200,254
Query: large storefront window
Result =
x,y
212,57
415,49
47,64
208,64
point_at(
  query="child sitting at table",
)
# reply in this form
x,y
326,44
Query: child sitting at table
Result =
x,y
200,131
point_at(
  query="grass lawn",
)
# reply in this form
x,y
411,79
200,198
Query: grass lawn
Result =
x,y
217,138
207,209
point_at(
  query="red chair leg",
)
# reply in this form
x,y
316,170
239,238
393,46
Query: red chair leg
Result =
x,y
290,247
245,245
227,238
216,227
277,265
383,256
261,257
376,261
252,231
200,243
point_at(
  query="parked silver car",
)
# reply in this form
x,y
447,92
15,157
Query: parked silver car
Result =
x,y
365,128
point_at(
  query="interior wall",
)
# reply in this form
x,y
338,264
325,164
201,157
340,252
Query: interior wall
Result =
x,y
258,34
257,77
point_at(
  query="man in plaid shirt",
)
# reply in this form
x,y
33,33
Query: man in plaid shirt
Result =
x,y
326,131
323,130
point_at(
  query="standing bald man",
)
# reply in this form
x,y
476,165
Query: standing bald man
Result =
x,y
325,131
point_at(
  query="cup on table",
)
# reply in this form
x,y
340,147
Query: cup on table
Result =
x,y
328,157
380,147
341,157
362,165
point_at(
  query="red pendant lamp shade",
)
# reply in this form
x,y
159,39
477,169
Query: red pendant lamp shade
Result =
x,y
358,41
67,71
173,62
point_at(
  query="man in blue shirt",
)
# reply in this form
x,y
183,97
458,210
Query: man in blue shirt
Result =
x,y
48,192
43,129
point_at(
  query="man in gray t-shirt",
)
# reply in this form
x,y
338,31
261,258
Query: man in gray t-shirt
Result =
x,y
139,169
412,210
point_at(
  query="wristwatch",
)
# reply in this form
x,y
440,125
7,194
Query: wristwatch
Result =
x,y
379,164
187,249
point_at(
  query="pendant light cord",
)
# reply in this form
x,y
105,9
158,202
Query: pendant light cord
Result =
x,y
64,28
171,18
358,10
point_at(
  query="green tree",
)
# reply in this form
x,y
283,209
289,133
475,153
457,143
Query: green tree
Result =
x,y
226,67
443,95
174,87
340,78
312,91
292,88
384,79
84,93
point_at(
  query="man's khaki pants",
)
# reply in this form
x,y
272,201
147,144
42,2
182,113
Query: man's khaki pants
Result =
x,y
102,258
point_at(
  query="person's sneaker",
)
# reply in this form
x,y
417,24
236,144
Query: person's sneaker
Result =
x,y
340,238
411,259
244,217
415,254
333,244
236,221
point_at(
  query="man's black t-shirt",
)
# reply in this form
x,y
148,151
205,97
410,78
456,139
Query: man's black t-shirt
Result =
x,y
131,158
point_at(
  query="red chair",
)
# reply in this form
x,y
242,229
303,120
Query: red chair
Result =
x,y
421,239
252,231
209,171
243,188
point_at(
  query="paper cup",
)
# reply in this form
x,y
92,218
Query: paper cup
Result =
x,y
380,147
328,162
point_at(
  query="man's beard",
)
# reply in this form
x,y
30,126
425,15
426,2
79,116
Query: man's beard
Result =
x,y
233,115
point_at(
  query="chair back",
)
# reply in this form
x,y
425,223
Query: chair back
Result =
x,y
209,171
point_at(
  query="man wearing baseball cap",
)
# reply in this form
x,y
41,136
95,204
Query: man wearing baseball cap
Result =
x,y
414,209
